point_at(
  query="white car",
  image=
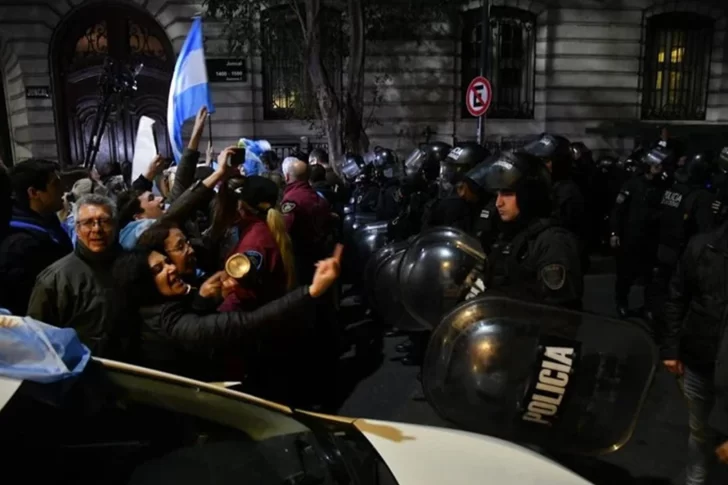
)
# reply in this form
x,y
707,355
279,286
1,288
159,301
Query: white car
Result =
x,y
122,424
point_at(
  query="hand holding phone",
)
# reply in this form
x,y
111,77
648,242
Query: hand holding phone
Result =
x,y
236,157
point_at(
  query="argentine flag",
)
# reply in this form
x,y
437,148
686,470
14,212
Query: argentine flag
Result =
x,y
189,90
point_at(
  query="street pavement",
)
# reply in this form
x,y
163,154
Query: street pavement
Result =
x,y
389,390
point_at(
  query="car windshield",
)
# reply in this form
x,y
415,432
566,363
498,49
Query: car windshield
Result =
x,y
142,429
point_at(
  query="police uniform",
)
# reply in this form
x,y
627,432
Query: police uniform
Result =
x,y
532,258
635,220
256,241
686,210
309,223
258,244
540,263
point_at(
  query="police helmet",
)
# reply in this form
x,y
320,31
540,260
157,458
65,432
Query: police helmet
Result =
x,y
555,149
352,166
425,160
318,156
467,154
659,156
387,162
698,168
524,174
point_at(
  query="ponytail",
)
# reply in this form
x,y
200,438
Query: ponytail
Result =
x,y
277,226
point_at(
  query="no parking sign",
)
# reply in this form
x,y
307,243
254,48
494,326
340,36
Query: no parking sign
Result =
x,y
478,96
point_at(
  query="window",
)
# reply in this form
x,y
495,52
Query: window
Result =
x,y
287,87
511,59
676,66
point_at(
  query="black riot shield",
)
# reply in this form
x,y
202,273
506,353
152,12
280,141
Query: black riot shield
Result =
x,y
560,379
365,241
437,271
383,288
350,265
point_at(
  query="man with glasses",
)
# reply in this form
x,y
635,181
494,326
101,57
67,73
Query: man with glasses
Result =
x,y
78,290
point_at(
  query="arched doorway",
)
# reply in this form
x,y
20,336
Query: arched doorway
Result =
x,y
6,150
81,47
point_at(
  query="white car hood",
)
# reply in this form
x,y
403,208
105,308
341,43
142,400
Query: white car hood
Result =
x,y
424,455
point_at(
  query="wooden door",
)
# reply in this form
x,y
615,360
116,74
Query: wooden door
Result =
x,y
93,37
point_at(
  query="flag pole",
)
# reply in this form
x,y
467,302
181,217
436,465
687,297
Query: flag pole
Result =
x,y
209,127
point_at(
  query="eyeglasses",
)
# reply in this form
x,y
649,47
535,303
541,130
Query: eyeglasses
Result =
x,y
102,222
180,247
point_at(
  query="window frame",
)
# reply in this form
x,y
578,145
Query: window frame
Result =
x,y
271,113
499,17
664,31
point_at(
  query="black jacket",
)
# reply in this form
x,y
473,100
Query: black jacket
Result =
x,y
697,301
569,208
636,213
537,262
32,243
181,336
78,291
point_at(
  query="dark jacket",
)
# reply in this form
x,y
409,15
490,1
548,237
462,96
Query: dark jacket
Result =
x,y
697,301
538,262
78,292
636,214
686,211
181,336
32,243
569,207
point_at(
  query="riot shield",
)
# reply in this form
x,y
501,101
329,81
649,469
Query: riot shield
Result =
x,y
437,271
366,240
350,264
384,288
560,379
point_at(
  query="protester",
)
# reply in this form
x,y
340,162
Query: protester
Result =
x,y
180,326
139,211
35,238
78,290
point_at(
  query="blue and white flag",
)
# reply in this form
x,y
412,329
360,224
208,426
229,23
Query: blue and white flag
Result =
x,y
189,90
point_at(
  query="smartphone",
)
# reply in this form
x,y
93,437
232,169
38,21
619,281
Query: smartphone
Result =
x,y
237,158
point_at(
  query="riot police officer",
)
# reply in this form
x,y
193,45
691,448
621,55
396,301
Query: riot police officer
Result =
x,y
635,226
417,189
387,172
568,209
461,198
686,210
364,193
532,258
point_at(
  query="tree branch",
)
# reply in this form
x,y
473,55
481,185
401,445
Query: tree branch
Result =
x,y
297,10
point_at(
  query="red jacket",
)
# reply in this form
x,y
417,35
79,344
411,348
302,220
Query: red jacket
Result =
x,y
257,242
309,223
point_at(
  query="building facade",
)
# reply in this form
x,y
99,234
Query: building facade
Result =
x,y
591,70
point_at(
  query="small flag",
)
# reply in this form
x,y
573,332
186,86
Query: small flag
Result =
x,y
189,90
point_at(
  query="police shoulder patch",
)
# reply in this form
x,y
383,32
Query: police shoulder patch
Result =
x,y
554,276
256,258
287,207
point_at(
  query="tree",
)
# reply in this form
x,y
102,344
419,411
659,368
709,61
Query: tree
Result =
x,y
341,111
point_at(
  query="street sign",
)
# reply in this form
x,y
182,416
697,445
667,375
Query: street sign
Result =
x,y
478,96
227,70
